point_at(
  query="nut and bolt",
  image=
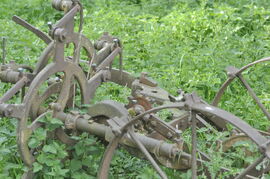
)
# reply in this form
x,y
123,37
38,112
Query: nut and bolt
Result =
x,y
169,135
115,41
178,132
94,66
20,70
49,25
57,79
91,121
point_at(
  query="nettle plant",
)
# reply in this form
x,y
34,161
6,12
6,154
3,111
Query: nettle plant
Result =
x,y
58,160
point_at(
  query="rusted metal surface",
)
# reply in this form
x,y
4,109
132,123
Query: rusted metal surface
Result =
x,y
4,41
31,28
51,89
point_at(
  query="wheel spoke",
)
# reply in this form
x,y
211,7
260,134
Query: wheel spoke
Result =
x,y
250,167
12,91
147,155
65,91
254,96
36,123
194,145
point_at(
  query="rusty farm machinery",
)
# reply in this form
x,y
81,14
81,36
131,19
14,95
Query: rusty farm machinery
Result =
x,y
52,87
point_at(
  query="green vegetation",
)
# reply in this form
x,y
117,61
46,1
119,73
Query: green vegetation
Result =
x,y
182,43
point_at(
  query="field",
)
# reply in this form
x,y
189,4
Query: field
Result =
x,y
183,44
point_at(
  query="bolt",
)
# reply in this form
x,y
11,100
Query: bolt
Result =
x,y
115,41
57,79
91,121
178,132
49,25
94,66
69,57
21,70
61,34
179,91
169,135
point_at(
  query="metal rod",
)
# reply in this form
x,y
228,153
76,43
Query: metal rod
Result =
x,y
153,110
148,156
12,91
121,60
102,54
68,17
22,93
109,59
74,95
194,146
4,50
221,91
254,96
250,167
43,36
101,130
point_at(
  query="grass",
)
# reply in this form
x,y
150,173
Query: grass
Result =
x,y
182,43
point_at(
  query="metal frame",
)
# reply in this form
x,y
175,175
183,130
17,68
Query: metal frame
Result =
x,y
122,123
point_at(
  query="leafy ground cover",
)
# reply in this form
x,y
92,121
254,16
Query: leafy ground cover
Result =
x,y
183,43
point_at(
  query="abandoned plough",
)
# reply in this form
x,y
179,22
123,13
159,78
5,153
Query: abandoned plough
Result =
x,y
52,86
